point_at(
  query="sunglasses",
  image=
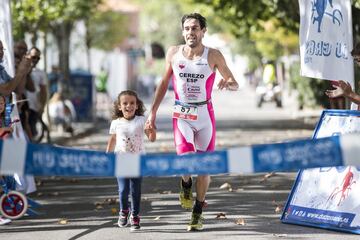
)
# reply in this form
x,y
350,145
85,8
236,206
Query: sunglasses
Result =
x,y
35,57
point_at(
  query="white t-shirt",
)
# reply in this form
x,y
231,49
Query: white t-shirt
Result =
x,y
129,134
39,78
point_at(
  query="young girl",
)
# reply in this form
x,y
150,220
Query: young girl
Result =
x,y
127,134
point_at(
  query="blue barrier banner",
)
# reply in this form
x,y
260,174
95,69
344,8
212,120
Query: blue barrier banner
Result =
x,y
297,155
48,160
171,164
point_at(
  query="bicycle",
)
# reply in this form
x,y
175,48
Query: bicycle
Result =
x,y
13,204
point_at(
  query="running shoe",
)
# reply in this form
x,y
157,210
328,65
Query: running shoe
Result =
x,y
123,218
196,222
4,221
186,197
135,223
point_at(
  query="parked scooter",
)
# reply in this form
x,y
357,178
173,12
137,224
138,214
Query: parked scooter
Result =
x,y
268,93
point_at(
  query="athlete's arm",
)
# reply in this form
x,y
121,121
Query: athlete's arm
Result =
x,y
161,89
217,61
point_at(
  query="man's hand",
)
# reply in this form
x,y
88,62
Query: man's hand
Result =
x,y
343,89
150,122
228,85
151,134
25,65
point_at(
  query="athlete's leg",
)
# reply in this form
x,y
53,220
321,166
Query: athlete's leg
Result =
x,y
205,142
184,143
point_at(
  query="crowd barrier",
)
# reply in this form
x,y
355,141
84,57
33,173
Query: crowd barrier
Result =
x,y
47,160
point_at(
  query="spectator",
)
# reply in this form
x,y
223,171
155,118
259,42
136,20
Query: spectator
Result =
x,y
343,89
54,78
8,84
61,112
37,99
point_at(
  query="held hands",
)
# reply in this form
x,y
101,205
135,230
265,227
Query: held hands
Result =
x,y
344,89
150,128
231,85
151,134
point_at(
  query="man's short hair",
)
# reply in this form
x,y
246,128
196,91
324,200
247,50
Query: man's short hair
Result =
x,y
197,16
356,50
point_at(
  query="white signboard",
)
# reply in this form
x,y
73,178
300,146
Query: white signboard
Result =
x,y
326,39
328,197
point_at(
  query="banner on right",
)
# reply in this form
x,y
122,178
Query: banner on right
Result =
x,y
326,39
328,197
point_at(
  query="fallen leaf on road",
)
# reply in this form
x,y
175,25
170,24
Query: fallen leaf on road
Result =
x,y
39,194
39,183
99,207
278,208
166,192
267,176
55,194
114,211
280,235
240,221
225,186
63,221
110,201
157,218
220,216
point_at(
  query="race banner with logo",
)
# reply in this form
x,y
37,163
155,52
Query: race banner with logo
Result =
x,y
328,197
326,39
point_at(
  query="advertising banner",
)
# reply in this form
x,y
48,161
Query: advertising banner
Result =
x,y
326,39
328,197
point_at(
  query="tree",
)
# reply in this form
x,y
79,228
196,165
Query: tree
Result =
x,y
70,11
32,16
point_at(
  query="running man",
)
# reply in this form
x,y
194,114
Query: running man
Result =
x,y
192,67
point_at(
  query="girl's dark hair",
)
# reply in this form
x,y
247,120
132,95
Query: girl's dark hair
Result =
x,y
197,16
118,114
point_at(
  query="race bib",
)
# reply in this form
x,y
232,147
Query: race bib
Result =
x,y
185,112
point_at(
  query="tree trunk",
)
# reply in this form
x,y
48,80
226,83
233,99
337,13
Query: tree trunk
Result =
x,y
62,34
88,43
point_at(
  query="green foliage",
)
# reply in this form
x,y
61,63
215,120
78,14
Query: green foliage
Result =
x,y
104,31
310,90
30,16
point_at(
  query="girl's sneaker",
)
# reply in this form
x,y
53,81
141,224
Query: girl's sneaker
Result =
x,y
4,221
123,218
135,223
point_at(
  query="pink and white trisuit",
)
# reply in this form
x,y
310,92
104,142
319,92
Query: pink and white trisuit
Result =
x,y
193,82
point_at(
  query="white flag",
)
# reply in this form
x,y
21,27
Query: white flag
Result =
x,y
6,36
326,39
